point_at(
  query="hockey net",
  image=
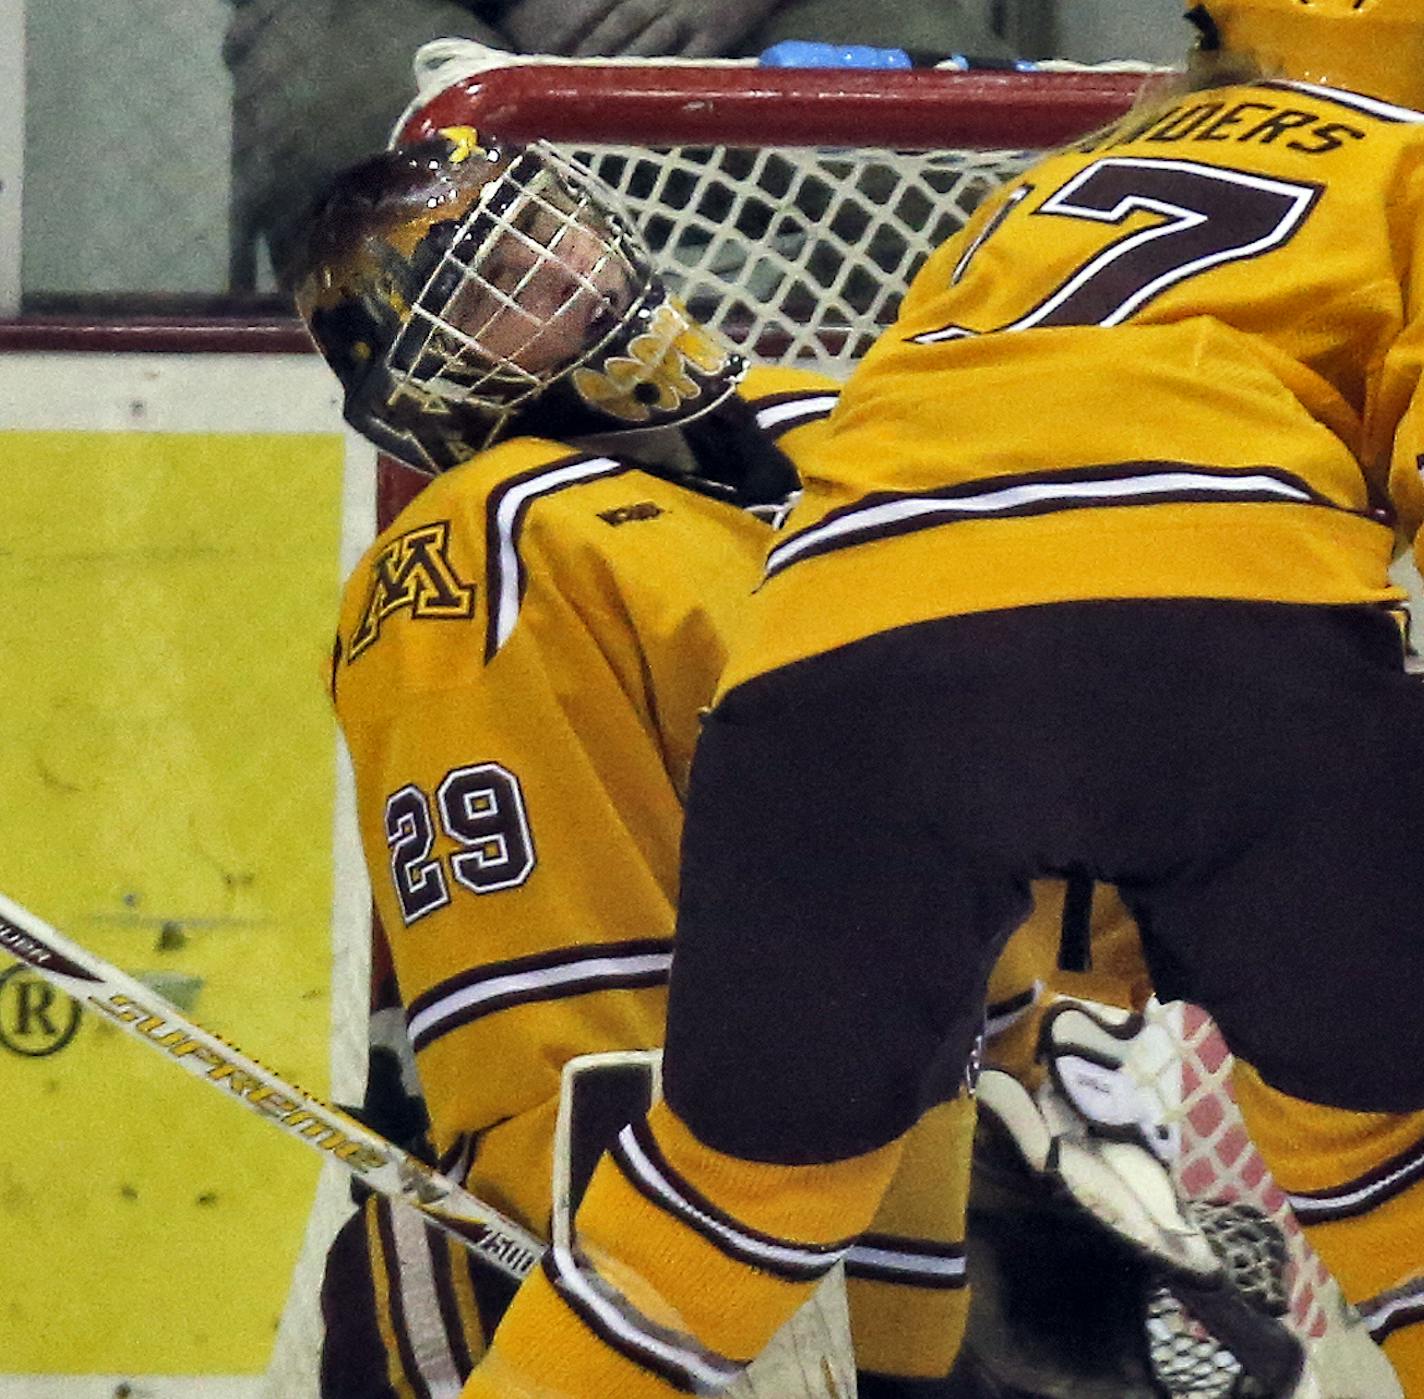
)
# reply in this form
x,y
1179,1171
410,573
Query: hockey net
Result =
x,y
1216,1161
789,209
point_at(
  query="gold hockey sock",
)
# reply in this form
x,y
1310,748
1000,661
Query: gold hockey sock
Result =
x,y
684,1264
905,1277
1356,1183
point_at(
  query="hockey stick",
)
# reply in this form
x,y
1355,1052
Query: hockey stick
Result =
x,y
378,1163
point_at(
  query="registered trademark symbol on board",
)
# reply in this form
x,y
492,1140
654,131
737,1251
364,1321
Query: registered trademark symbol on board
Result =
x,y
36,1019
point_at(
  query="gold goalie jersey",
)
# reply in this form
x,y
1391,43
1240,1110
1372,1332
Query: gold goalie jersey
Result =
x,y
1178,360
521,662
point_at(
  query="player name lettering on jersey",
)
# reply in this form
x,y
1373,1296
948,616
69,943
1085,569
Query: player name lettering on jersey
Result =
x,y
1261,120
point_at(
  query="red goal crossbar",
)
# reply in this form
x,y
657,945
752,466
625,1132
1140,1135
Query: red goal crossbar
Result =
x,y
742,105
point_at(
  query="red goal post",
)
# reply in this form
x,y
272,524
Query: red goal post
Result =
x,y
790,208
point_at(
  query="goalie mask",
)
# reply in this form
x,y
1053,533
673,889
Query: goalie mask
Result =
x,y
1371,46
465,290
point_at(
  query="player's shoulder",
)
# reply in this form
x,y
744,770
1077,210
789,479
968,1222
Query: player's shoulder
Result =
x,y
546,498
787,395
1340,104
789,404
468,489
473,504
433,556
767,381
533,518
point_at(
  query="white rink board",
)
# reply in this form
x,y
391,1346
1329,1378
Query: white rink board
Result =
x,y
117,395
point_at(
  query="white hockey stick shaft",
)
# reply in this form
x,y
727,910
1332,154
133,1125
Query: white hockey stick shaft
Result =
x,y
380,1164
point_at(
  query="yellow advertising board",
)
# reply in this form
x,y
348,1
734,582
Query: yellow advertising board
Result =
x,y
173,535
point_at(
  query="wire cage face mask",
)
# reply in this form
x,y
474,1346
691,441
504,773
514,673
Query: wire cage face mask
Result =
x,y
537,311
535,277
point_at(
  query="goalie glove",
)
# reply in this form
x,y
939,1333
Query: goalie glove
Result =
x,y
1118,1183
1099,1137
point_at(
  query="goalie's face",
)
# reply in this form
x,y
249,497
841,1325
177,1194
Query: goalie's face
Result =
x,y
548,283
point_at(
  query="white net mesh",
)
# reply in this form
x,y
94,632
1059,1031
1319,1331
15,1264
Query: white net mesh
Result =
x,y
1216,1160
795,253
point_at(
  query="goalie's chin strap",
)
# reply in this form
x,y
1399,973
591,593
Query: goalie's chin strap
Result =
x,y
1102,1142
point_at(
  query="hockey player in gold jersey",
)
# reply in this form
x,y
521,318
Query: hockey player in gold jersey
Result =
x,y
523,653
1090,574
521,662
